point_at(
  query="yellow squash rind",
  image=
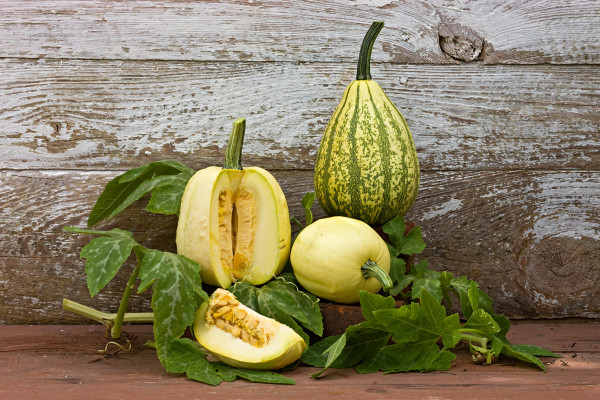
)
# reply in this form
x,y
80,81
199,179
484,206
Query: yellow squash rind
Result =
x,y
327,257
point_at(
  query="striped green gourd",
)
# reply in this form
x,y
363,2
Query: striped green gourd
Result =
x,y
367,166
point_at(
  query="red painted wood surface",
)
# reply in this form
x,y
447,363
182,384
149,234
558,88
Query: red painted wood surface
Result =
x,y
61,362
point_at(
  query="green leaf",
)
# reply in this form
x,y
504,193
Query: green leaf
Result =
x,y
442,362
401,284
302,306
333,353
408,244
307,202
445,279
473,294
167,199
482,321
504,324
362,340
175,282
271,309
429,284
395,229
370,302
186,357
425,279
469,296
124,189
104,255
418,323
281,300
497,346
405,357
516,352
534,350
246,294
315,353
252,375
398,273
413,242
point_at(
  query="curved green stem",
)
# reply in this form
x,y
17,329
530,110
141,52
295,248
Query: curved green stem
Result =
x,y
474,335
233,155
105,318
371,269
115,331
363,71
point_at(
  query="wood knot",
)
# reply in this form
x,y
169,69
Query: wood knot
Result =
x,y
56,127
460,42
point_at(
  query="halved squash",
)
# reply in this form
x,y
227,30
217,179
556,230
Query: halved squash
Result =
x,y
239,336
234,221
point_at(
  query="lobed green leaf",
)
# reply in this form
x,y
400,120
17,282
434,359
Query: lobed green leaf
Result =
x,y
175,282
104,255
417,323
370,303
281,300
401,242
186,357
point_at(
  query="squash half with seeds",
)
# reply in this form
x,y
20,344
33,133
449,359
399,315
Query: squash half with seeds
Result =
x,y
234,222
239,336
367,166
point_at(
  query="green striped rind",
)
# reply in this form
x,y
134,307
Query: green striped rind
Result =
x,y
367,166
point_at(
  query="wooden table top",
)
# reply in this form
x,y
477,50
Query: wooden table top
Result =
x,y
61,361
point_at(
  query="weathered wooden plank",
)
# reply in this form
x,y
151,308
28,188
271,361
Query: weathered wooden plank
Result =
x,y
510,32
113,114
61,361
531,239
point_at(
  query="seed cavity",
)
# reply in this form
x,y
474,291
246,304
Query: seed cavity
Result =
x,y
237,229
225,312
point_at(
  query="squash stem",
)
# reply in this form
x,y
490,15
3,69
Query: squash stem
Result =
x,y
363,71
371,269
233,155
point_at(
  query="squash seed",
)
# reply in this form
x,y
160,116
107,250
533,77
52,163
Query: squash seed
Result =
x,y
220,323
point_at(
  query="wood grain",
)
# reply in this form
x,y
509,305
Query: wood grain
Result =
x,y
59,361
501,97
514,32
531,239
118,115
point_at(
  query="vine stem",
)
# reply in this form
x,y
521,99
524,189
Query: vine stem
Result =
x,y
474,335
113,322
107,319
115,331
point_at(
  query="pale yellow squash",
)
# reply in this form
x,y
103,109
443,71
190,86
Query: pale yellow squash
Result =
x,y
335,258
234,222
